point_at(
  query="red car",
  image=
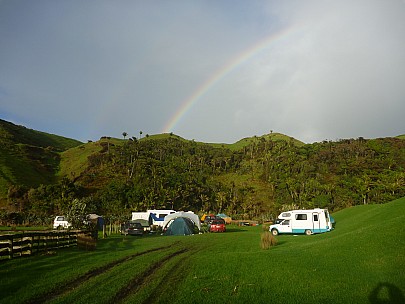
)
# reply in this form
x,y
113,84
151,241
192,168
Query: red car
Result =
x,y
217,225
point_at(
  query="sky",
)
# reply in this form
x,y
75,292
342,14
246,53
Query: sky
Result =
x,y
208,70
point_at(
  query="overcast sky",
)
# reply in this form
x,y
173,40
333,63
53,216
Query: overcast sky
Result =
x,y
213,71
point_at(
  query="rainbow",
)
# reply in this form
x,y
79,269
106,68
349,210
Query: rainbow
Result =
x,y
222,72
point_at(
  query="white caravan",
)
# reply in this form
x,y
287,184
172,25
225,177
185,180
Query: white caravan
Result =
x,y
302,221
154,217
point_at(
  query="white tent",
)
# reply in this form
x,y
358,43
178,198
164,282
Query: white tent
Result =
x,y
190,215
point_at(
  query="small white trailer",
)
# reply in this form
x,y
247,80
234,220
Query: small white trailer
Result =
x,y
302,221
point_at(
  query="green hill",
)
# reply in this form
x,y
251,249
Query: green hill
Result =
x,y
243,143
28,157
15,134
255,177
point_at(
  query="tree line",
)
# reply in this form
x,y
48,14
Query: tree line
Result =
x,y
256,182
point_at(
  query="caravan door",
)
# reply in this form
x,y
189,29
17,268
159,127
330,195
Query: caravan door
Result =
x,y
316,223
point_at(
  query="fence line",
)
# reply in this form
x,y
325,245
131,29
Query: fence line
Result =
x,y
29,243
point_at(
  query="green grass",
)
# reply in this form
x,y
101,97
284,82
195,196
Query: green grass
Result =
x,y
75,160
23,135
361,260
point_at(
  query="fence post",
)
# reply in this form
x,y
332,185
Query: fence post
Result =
x,y
11,247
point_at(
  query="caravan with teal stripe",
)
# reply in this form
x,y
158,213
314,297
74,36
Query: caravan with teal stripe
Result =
x,y
303,221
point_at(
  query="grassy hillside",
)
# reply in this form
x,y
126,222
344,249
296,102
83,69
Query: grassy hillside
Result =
x,y
361,261
11,133
239,145
75,160
252,178
29,157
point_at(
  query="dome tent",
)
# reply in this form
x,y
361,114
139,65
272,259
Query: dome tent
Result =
x,y
180,226
189,214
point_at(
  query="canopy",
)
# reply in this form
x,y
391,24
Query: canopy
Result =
x,y
96,220
190,215
226,218
180,226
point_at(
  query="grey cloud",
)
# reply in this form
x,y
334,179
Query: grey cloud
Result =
x,y
87,69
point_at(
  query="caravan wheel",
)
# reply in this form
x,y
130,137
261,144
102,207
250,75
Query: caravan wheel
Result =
x,y
274,232
308,232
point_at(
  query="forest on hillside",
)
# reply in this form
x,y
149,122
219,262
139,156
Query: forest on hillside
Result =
x,y
256,181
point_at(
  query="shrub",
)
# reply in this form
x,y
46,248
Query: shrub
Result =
x,y
267,240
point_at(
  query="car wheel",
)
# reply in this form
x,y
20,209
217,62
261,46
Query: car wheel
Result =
x,y
274,232
308,232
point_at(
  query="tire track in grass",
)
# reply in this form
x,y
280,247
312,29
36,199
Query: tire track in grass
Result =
x,y
138,282
70,285
170,280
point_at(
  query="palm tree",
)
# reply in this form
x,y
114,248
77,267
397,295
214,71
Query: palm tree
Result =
x,y
124,134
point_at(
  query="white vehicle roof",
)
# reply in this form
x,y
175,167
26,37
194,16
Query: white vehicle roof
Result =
x,y
288,214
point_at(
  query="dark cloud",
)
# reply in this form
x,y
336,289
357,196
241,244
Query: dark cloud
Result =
x,y
94,68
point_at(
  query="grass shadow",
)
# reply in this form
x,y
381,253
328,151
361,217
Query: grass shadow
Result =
x,y
235,230
386,293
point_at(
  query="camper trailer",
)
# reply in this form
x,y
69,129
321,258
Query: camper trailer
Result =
x,y
154,217
302,221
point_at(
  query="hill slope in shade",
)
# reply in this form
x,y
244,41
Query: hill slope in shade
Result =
x,y
15,134
29,157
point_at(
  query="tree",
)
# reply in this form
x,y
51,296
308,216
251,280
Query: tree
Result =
x,y
124,134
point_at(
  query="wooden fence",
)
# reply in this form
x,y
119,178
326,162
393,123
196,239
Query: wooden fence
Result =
x,y
29,243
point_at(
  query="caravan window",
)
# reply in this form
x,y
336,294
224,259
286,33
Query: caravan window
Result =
x,y
286,222
301,217
286,214
315,217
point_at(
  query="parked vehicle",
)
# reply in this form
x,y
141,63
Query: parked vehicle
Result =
x,y
60,222
217,225
132,228
302,221
210,218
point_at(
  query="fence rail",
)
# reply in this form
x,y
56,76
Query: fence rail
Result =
x,y
30,243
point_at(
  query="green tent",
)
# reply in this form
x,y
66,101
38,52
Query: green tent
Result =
x,y
180,226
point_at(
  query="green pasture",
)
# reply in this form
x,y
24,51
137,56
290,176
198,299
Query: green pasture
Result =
x,y
361,261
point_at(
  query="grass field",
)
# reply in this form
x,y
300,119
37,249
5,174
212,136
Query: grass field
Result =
x,y
361,261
